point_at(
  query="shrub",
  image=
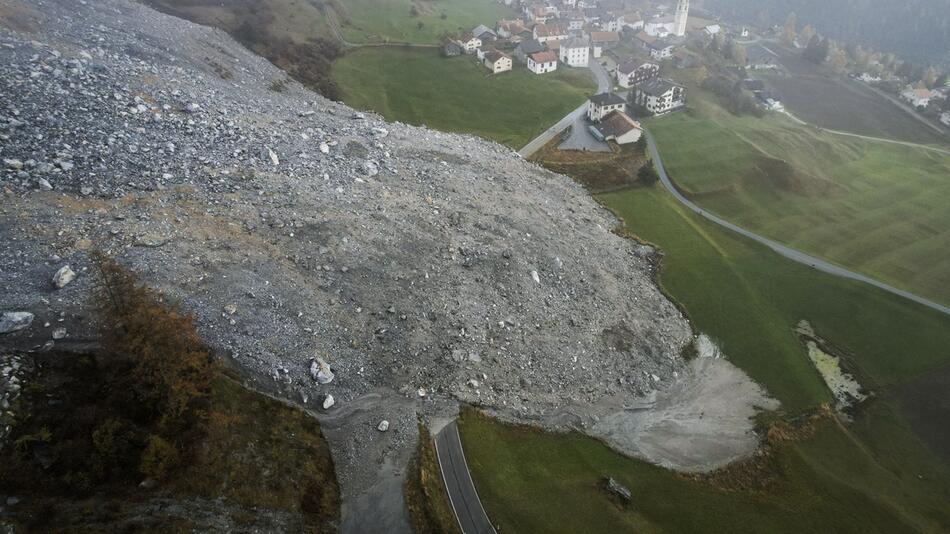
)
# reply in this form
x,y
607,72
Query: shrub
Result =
x,y
648,175
159,458
173,369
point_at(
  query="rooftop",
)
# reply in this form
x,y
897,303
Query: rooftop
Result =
x,y
607,99
656,87
617,123
544,57
493,56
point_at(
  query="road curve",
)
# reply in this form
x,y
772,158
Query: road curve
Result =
x,y
790,253
603,84
468,508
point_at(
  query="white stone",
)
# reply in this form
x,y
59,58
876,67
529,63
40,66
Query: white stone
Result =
x,y
383,426
328,402
63,276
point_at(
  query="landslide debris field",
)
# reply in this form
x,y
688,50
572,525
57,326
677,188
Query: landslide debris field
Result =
x,y
421,268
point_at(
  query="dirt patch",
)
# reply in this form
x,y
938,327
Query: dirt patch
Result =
x,y
702,421
599,172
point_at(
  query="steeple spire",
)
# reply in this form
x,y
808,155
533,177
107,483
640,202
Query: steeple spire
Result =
x,y
679,19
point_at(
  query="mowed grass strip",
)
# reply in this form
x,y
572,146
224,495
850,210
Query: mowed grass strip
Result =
x,y
373,21
874,476
878,208
418,86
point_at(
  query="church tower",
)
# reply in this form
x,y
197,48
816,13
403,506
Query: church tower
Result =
x,y
679,20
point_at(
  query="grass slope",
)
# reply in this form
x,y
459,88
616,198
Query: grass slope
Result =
x,y
875,207
874,476
417,86
372,21
532,481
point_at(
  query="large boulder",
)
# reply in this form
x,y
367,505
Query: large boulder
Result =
x,y
13,321
63,276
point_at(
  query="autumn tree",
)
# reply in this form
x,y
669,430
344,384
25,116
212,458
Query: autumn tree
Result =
x,y
806,34
789,31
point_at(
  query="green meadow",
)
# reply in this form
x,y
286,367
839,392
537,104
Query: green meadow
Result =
x,y
418,86
878,208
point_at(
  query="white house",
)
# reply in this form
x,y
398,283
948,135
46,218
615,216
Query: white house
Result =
x,y
659,96
575,53
619,127
497,62
550,32
632,21
541,62
712,29
601,105
659,27
469,43
917,97
661,50
634,71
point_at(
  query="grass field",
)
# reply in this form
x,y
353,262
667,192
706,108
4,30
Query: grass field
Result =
x,y
874,476
875,207
832,101
417,86
371,21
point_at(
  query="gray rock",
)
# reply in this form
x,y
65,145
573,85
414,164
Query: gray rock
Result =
x,y
13,164
14,321
63,276
59,333
618,489
320,371
328,402
44,184
383,426
370,168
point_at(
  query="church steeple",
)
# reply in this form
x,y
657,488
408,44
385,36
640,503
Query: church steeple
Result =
x,y
679,19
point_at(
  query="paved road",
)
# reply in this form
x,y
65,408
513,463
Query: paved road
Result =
x,y
458,481
792,254
603,84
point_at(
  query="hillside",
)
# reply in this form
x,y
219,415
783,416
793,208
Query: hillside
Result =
x,y
424,268
881,24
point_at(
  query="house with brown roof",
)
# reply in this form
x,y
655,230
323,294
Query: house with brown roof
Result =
x,y
496,61
599,41
469,42
617,126
550,32
542,62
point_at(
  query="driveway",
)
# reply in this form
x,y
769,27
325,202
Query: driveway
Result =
x,y
572,119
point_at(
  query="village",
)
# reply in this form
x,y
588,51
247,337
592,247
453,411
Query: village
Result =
x,y
631,45
637,48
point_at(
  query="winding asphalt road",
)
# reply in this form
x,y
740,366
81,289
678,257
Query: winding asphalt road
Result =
x,y
790,253
458,482
603,84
